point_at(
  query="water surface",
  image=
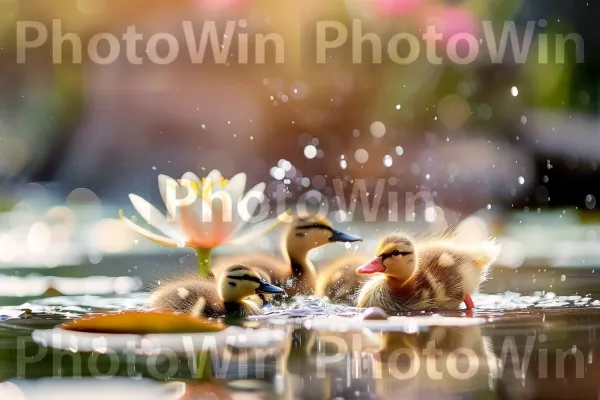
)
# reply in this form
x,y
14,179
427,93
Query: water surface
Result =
x,y
539,345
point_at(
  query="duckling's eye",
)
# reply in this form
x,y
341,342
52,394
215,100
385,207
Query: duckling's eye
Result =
x,y
232,284
396,253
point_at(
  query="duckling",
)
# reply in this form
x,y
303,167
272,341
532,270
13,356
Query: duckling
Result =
x,y
225,298
433,275
338,280
295,272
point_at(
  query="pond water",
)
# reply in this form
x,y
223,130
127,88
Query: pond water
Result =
x,y
539,345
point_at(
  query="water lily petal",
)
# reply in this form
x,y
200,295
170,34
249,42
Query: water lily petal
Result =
x,y
245,210
197,222
257,230
169,191
214,175
224,206
155,218
192,177
162,240
223,214
236,187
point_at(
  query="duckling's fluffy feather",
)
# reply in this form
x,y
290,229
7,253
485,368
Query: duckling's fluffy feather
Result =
x,y
339,282
445,273
193,295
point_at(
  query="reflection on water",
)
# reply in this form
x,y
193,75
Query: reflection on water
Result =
x,y
90,389
535,346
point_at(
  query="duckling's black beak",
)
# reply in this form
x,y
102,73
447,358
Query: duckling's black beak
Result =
x,y
266,287
339,236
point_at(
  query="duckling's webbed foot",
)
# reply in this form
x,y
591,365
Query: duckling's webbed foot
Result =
x,y
469,302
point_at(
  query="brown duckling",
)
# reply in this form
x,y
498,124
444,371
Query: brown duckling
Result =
x,y
433,275
339,282
294,271
225,298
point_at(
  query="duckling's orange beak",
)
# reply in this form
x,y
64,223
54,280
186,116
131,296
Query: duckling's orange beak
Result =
x,y
373,266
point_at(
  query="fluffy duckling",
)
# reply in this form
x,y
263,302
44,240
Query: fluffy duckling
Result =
x,y
433,275
226,298
295,272
339,282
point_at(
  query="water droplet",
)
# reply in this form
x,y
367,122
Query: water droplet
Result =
x,y
427,176
377,129
343,164
387,161
398,106
310,152
399,150
563,278
489,206
523,120
361,156
590,201
154,167
277,173
514,91
285,164
521,180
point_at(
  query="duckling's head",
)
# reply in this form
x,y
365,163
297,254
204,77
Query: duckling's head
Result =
x,y
396,258
238,282
308,232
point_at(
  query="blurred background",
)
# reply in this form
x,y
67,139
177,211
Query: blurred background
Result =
x,y
514,144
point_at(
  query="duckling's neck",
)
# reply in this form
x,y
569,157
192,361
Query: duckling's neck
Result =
x,y
241,308
398,283
303,271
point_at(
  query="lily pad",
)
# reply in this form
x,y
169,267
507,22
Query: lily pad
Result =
x,y
143,322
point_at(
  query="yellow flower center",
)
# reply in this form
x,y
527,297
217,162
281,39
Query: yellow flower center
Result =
x,y
203,190
207,185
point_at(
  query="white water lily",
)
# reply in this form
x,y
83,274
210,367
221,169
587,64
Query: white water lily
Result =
x,y
202,213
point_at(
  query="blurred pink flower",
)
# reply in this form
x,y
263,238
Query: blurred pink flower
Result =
x,y
452,20
396,7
